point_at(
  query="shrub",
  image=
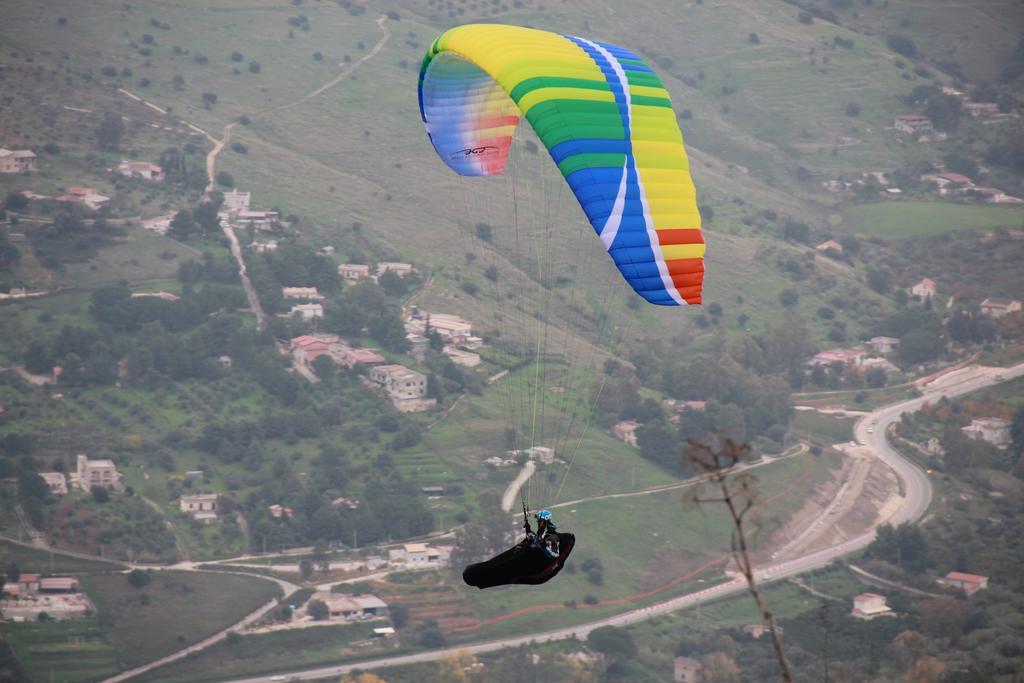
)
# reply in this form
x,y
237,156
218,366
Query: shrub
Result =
x,y
318,56
139,578
805,18
254,67
902,44
239,148
853,109
226,179
237,56
754,39
483,231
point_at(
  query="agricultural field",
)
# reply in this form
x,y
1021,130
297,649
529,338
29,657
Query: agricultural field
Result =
x,y
905,220
265,653
172,611
73,650
36,560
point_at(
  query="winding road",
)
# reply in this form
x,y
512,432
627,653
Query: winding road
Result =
x,y
871,430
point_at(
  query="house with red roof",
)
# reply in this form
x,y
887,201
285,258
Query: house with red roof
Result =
x,y
968,583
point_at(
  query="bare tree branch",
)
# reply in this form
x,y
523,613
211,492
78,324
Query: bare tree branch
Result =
x,y
738,491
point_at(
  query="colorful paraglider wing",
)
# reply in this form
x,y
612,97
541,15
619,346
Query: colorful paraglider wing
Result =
x,y
605,118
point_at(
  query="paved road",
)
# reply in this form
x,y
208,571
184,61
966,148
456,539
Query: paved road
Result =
x,y
917,496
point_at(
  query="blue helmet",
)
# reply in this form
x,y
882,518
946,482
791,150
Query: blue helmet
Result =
x,y
544,514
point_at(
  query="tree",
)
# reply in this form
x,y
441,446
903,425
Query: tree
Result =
x,y
399,615
12,571
789,298
109,132
612,641
226,179
100,494
15,201
237,56
852,109
483,231
719,667
921,345
306,569
318,609
902,44
139,578
182,225
209,99
943,616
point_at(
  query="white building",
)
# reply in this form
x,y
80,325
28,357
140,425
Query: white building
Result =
x,y
399,269
925,289
420,555
140,169
301,293
542,453
912,123
56,482
264,247
258,220
400,382
867,606
993,430
626,432
96,473
352,607
17,160
883,345
202,506
450,327
995,307
308,311
353,272
236,201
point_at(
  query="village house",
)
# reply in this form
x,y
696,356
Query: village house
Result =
x,y
307,311
829,244
267,247
258,220
236,201
96,473
87,196
310,347
755,631
925,289
301,293
867,606
977,109
883,345
993,430
166,296
278,511
846,357
995,307
348,357
399,381
55,482
140,169
399,269
353,272
420,555
17,161
626,432
466,359
58,584
452,328
912,123
352,607
687,670
968,583
543,454
341,501
202,506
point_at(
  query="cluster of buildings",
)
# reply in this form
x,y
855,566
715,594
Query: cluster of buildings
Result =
x,y
237,212
957,184
455,332
870,355
32,595
88,474
353,273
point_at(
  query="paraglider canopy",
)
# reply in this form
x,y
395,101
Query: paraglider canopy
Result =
x,y
607,122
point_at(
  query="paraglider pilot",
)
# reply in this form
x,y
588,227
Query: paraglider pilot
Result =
x,y
546,538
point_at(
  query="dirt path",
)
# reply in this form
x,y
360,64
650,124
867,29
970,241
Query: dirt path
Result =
x,y
509,496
